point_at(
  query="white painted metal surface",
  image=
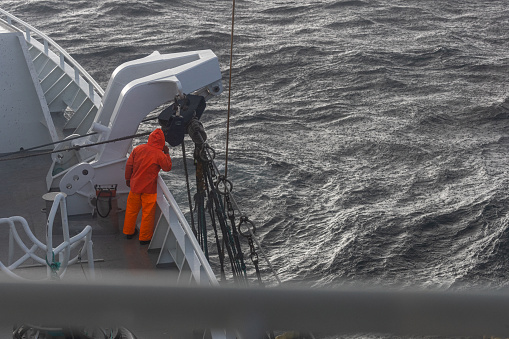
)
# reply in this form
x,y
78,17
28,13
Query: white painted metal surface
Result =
x,y
59,83
176,242
148,88
25,115
62,251
140,88
50,46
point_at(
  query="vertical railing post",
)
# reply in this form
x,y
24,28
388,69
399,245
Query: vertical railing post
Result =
x,y
91,91
62,61
90,256
11,247
66,253
76,75
27,33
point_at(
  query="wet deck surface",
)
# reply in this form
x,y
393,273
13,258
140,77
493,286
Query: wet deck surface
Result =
x,y
116,257
22,191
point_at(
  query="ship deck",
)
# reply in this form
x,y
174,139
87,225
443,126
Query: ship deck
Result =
x,y
115,257
22,196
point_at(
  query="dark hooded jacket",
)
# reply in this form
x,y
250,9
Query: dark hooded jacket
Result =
x,y
145,162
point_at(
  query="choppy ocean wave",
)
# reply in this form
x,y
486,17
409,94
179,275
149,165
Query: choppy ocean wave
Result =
x,y
368,138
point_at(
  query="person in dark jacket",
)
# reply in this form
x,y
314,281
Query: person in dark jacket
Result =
x,y
141,173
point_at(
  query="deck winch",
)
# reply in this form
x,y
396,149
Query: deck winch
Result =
x,y
175,118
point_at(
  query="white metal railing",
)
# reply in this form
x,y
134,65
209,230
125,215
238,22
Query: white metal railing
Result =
x,y
51,46
54,269
201,270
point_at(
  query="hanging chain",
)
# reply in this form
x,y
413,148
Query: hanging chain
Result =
x,y
224,213
254,259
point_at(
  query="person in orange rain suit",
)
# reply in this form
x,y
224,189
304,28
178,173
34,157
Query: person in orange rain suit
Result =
x,y
141,173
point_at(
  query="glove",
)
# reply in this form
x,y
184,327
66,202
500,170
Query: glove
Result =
x,y
166,150
128,183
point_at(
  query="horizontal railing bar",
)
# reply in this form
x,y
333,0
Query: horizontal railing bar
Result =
x,y
44,265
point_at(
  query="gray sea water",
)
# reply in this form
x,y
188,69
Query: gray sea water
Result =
x,y
368,138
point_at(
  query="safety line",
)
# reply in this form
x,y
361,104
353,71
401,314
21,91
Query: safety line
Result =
x,y
63,140
50,144
77,148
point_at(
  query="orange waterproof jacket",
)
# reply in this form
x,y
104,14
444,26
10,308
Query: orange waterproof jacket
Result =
x,y
145,162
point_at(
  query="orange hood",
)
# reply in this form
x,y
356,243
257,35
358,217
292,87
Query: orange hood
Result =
x,y
156,139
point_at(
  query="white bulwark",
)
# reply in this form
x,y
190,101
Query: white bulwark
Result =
x,y
23,109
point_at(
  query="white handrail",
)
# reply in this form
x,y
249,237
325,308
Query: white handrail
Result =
x,y
47,41
187,229
63,250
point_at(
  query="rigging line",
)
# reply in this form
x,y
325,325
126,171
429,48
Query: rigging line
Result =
x,y
264,256
151,118
229,93
64,140
77,148
224,231
256,240
51,143
213,164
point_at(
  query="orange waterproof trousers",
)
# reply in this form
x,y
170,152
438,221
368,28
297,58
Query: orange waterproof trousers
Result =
x,y
147,203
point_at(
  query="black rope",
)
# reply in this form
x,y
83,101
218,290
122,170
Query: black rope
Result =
x,y
220,220
22,150
199,206
109,192
77,148
214,208
238,269
231,238
231,216
216,233
151,118
97,205
229,92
